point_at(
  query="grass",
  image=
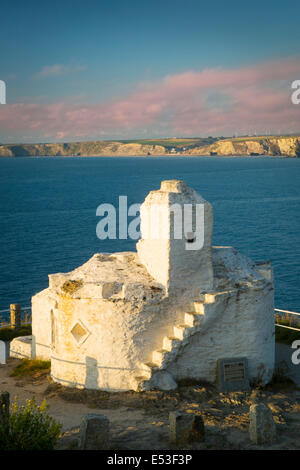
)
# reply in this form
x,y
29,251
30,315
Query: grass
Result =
x,y
259,137
281,380
285,335
30,367
7,334
71,286
173,143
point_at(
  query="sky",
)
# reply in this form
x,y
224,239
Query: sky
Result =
x,y
123,69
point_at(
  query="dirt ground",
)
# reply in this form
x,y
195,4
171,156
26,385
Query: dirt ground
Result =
x,y
141,420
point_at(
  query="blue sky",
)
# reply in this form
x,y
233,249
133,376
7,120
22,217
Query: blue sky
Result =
x,y
89,52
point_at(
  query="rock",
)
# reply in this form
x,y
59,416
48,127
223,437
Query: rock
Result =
x,y
163,380
198,429
181,426
20,347
4,409
94,432
262,428
186,427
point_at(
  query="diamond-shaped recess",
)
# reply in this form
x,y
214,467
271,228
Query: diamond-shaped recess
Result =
x,y
79,332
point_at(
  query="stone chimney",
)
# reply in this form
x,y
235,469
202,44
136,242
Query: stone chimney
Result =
x,y
176,228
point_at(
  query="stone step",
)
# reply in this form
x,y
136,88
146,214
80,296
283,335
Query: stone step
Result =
x,y
211,297
199,308
146,370
151,365
158,357
170,342
190,319
181,331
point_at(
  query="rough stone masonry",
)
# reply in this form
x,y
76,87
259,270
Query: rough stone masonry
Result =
x,y
146,319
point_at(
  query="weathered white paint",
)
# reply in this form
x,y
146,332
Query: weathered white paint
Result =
x,y
144,320
43,304
20,347
2,352
165,257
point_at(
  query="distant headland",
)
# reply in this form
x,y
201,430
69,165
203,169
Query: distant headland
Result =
x,y
286,146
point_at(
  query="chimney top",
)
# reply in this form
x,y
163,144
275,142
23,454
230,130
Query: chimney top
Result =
x,y
173,186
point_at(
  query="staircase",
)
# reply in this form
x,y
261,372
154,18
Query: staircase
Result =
x,y
172,345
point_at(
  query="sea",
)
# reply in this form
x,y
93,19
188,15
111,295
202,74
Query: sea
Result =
x,y
48,213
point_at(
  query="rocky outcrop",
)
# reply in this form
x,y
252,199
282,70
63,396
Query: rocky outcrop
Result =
x,y
85,149
272,146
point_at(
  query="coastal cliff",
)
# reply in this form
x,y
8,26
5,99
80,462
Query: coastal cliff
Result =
x,y
250,146
87,149
281,146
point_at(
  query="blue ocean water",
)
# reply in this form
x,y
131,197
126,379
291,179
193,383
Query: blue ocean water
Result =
x,y
48,212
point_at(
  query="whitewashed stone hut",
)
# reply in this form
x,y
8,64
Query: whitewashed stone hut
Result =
x,y
147,319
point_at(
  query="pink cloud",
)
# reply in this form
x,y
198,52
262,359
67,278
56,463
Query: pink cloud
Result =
x,y
212,101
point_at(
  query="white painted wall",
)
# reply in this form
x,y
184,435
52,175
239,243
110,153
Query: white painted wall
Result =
x,y
126,303
2,352
167,259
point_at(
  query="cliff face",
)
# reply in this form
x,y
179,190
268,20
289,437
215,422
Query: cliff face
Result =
x,y
282,146
88,149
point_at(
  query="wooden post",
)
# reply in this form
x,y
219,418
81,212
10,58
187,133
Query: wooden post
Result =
x,y
4,410
15,316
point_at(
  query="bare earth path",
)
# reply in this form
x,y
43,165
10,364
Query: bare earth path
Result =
x,y
140,420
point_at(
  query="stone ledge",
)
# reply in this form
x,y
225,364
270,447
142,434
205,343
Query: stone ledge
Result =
x,y
20,348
